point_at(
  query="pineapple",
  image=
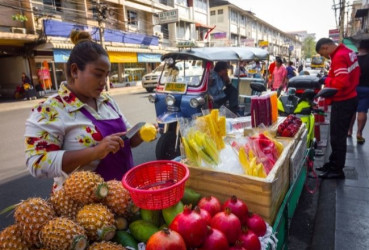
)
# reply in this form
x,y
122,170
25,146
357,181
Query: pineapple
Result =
x,y
64,205
30,216
98,221
85,187
11,239
118,198
62,233
106,245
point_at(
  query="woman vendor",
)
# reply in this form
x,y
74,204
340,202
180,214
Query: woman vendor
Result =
x,y
80,127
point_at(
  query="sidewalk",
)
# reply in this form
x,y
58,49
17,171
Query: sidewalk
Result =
x,y
11,104
342,219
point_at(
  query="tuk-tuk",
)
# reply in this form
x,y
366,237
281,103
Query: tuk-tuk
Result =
x,y
182,89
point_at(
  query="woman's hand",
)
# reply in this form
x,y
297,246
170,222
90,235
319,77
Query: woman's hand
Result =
x,y
110,144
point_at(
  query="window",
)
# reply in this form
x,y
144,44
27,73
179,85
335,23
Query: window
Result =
x,y
201,4
52,5
165,31
182,2
220,12
243,20
132,17
233,16
212,13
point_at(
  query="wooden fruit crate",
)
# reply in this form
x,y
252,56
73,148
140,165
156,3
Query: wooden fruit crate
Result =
x,y
262,196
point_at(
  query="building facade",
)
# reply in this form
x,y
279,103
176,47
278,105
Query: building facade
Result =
x,y
238,27
358,24
34,35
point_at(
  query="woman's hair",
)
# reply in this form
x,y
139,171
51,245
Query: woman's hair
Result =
x,y
220,66
84,51
278,60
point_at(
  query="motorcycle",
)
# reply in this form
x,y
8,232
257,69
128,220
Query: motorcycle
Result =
x,y
182,89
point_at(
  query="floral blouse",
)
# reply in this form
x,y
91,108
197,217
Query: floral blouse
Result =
x,y
57,125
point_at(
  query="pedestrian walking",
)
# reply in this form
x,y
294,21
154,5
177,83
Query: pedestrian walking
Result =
x,y
291,70
344,76
279,76
362,92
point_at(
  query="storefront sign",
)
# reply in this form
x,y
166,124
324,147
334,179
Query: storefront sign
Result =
x,y
122,57
61,55
148,57
334,34
219,35
263,44
250,42
63,29
170,16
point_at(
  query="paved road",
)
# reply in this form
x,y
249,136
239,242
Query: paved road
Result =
x,y
15,182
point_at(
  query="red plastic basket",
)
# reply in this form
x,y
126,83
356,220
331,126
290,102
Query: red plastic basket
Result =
x,y
156,185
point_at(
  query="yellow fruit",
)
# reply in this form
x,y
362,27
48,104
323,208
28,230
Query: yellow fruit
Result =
x,y
244,161
104,245
98,222
190,152
62,233
85,187
11,239
64,205
222,126
118,198
30,216
148,132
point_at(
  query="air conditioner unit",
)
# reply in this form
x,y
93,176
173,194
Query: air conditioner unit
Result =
x,y
18,30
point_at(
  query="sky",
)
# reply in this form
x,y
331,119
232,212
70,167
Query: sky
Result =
x,y
314,16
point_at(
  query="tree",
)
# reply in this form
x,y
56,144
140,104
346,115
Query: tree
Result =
x,y
20,18
309,47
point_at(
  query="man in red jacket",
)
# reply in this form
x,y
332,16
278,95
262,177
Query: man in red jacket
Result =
x,y
343,75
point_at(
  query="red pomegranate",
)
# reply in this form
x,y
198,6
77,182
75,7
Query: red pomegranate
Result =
x,y
249,240
166,239
227,223
215,240
210,204
191,226
256,224
238,208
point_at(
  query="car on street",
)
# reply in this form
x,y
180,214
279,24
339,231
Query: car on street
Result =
x,y
114,81
312,72
150,80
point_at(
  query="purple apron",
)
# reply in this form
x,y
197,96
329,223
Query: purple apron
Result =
x,y
113,166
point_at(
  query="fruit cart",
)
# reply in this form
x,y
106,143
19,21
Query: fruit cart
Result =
x,y
275,198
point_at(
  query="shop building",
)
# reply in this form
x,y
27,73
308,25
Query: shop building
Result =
x,y
238,27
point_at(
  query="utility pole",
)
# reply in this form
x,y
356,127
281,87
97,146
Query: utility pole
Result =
x,y
342,19
102,15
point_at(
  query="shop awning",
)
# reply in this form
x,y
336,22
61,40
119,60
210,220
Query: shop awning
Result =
x,y
122,57
349,44
148,57
136,50
361,13
15,39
